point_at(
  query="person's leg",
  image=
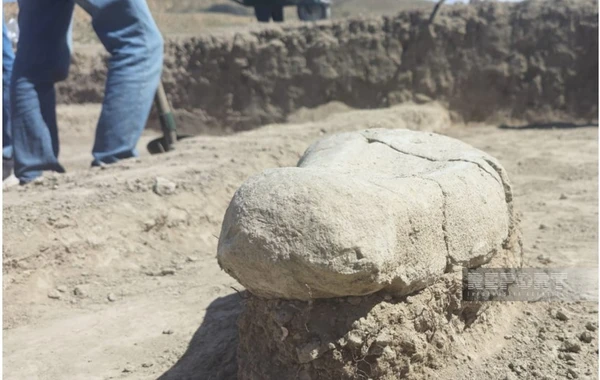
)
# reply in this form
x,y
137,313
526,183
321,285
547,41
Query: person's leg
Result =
x,y
277,13
128,32
42,59
7,64
262,13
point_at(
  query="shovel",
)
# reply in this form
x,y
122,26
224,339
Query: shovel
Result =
x,y
166,143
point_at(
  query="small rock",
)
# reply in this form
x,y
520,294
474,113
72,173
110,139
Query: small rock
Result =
x,y
53,294
563,196
569,356
389,353
573,373
561,316
111,297
590,326
147,365
571,346
79,291
308,352
285,332
508,337
544,259
62,288
128,369
354,339
422,98
543,227
515,368
191,259
586,337
149,224
167,332
384,339
163,186
167,272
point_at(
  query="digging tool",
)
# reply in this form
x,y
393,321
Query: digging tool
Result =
x,y
167,142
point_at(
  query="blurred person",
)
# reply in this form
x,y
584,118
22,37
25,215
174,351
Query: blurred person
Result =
x,y
264,13
8,58
128,32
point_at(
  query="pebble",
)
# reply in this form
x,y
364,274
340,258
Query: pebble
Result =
x,y
384,339
571,346
308,352
53,294
561,316
163,186
590,326
167,332
516,368
508,337
80,292
127,369
543,226
111,297
544,259
563,196
62,288
167,272
354,339
573,373
586,337
147,365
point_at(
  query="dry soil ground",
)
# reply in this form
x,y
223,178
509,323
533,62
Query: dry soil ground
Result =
x,y
104,278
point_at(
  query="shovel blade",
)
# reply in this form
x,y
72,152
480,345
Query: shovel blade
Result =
x,y
159,145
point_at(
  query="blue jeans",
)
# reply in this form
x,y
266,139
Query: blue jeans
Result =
x,y
128,32
7,64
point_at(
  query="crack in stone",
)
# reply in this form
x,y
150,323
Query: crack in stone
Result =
x,y
372,140
449,259
450,262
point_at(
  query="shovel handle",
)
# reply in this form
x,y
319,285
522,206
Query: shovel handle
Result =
x,y
167,121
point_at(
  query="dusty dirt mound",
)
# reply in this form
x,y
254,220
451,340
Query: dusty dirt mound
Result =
x,y
371,337
352,338
536,60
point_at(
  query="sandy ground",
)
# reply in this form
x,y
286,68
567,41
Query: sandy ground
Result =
x,y
105,279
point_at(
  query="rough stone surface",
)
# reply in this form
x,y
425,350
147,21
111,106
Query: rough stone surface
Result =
x,y
364,211
163,186
536,60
